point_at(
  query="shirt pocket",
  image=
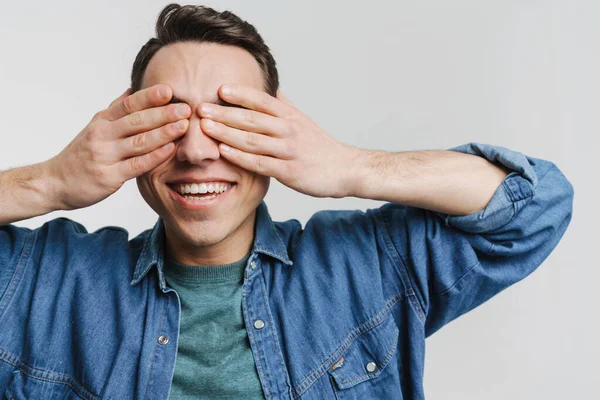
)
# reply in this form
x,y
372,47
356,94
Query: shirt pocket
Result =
x,y
45,386
369,368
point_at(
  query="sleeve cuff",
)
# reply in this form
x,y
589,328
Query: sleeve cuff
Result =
x,y
514,193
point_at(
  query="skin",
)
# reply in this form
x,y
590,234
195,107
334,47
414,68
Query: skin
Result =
x,y
267,136
217,235
138,136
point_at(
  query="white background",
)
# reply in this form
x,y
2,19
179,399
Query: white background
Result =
x,y
389,75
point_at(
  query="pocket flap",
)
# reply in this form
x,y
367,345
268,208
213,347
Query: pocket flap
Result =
x,y
367,355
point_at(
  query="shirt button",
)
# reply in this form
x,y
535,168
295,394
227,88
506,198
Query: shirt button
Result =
x,y
371,366
163,339
259,324
253,264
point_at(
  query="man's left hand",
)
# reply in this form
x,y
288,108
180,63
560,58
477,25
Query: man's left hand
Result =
x,y
271,137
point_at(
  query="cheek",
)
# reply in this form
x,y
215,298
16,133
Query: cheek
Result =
x,y
259,186
146,189
143,183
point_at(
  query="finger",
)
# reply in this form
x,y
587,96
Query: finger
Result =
x,y
240,118
153,96
145,120
254,99
146,142
263,165
122,96
252,142
136,166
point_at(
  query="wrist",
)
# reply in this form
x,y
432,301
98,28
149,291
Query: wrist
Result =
x,y
357,176
51,185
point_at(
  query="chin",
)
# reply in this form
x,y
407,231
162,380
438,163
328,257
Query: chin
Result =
x,y
201,233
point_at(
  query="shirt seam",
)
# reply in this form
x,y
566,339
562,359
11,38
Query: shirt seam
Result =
x,y
19,270
162,314
361,329
53,377
405,275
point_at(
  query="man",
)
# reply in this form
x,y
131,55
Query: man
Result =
x,y
219,301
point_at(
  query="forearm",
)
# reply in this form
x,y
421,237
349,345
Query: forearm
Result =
x,y
439,180
27,192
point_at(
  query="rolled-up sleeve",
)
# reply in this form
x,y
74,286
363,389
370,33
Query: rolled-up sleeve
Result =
x,y
456,263
514,193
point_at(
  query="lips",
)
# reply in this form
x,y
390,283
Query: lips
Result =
x,y
191,203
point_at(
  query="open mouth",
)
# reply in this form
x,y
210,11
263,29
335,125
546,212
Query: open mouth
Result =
x,y
200,194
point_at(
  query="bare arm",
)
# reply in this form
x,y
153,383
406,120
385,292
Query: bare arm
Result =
x,y
27,192
439,180
131,137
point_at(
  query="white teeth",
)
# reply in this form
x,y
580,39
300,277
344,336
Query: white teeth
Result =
x,y
202,188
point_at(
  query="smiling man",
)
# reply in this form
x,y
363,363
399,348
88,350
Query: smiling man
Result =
x,y
219,301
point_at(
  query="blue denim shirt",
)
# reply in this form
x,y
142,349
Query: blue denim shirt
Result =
x,y
337,309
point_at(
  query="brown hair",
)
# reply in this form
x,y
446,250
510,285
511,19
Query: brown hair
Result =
x,y
203,24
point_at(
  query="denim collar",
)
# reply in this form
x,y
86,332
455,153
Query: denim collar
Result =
x,y
266,241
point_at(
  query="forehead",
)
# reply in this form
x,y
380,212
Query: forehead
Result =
x,y
196,70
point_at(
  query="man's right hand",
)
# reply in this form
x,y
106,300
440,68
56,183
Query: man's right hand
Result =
x,y
131,137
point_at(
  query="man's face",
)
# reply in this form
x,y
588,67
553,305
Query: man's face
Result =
x,y
203,231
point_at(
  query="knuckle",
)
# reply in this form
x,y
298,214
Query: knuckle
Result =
x,y
95,154
127,105
139,141
135,164
95,132
252,139
249,118
259,163
99,175
135,119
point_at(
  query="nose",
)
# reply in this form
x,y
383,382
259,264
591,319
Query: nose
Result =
x,y
195,146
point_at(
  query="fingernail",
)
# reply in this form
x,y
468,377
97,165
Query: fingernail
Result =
x,y
209,124
182,110
225,148
163,92
226,90
206,109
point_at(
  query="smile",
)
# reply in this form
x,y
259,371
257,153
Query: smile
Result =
x,y
197,196
186,189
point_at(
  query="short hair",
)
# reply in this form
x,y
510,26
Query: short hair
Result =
x,y
194,23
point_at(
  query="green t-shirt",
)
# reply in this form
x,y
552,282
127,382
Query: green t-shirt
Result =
x,y
214,358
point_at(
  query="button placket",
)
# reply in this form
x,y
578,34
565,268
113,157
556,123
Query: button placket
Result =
x,y
264,346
